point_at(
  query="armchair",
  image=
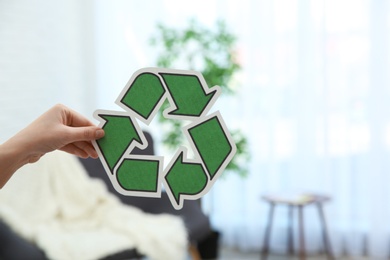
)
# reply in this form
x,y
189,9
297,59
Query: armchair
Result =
x,y
196,222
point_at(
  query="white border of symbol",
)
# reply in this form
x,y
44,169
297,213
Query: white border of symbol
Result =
x,y
194,121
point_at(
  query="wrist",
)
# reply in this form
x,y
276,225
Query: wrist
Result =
x,y
12,157
13,153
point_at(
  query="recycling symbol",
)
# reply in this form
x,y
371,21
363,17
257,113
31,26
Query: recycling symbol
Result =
x,y
189,99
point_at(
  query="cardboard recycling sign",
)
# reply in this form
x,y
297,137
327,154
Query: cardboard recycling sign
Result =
x,y
190,99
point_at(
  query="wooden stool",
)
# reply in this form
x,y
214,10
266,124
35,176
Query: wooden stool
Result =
x,y
298,202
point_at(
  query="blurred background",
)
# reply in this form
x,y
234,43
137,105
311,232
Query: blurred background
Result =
x,y
311,98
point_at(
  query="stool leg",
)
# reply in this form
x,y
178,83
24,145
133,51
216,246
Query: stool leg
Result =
x,y
267,235
301,234
290,238
325,232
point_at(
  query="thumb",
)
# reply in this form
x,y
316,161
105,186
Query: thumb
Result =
x,y
86,133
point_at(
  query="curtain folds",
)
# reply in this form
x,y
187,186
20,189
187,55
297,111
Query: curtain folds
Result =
x,y
312,98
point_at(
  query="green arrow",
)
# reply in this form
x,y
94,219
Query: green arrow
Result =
x,y
144,94
190,98
138,175
187,93
185,178
213,145
120,132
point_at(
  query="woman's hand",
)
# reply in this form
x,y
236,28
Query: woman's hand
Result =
x,y
60,128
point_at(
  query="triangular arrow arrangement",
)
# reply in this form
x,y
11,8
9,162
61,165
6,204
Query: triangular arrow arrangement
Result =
x,y
190,99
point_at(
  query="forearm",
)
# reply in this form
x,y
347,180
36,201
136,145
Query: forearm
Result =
x,y
12,157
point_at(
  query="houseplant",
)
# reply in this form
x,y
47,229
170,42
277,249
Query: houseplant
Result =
x,y
210,52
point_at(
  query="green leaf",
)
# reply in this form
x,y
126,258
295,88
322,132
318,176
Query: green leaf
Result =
x,y
211,52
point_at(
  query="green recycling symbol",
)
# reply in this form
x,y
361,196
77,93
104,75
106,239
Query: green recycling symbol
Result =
x,y
190,99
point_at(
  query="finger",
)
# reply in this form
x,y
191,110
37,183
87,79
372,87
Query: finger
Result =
x,y
73,149
89,133
88,148
75,119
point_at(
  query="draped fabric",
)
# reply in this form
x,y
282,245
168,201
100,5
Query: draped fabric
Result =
x,y
313,100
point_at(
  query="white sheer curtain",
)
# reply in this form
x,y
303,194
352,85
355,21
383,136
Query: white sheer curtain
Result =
x,y
312,98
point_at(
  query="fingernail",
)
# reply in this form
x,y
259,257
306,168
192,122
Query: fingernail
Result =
x,y
99,133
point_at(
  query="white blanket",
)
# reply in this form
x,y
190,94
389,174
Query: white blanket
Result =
x,y
54,204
